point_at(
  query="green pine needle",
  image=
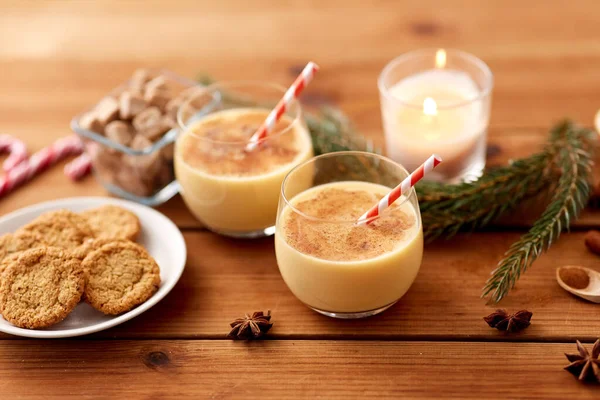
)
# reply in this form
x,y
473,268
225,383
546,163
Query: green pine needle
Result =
x,y
331,130
448,209
569,147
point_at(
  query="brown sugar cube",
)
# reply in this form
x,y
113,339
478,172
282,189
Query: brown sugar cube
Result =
x,y
140,142
131,104
169,121
146,165
141,75
157,130
168,152
172,107
137,90
131,182
158,83
139,79
90,122
145,119
120,132
107,110
187,93
164,176
106,162
157,97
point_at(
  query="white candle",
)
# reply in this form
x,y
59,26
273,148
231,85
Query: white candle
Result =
x,y
436,111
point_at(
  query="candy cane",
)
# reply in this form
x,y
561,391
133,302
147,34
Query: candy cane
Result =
x,y
79,167
38,162
17,150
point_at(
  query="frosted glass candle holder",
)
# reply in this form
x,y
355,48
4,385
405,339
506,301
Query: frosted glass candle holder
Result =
x,y
437,101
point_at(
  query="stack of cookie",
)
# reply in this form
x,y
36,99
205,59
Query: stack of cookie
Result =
x,y
61,257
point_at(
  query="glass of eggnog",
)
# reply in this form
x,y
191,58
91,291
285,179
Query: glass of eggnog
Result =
x,y
331,263
231,190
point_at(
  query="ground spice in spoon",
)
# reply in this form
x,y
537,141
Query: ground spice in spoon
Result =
x,y
576,278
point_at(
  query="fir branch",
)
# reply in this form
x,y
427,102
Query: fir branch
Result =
x,y
571,147
448,209
332,131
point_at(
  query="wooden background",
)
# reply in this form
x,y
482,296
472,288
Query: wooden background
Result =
x,y
57,58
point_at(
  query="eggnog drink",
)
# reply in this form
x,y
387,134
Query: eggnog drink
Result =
x,y
336,266
231,190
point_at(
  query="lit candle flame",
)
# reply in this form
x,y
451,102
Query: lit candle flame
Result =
x,y
440,58
429,106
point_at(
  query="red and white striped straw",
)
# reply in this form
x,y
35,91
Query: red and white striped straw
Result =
x,y
292,93
17,150
79,167
39,161
402,188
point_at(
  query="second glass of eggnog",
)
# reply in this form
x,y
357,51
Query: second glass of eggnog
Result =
x,y
332,264
231,190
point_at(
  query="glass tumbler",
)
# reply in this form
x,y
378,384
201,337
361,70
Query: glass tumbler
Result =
x,y
332,264
232,190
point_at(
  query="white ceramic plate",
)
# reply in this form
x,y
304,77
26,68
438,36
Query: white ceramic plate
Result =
x,y
159,236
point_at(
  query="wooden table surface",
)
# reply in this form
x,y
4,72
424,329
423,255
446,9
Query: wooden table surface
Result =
x,y
57,58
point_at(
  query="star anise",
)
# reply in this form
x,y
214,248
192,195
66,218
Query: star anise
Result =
x,y
503,321
251,327
585,366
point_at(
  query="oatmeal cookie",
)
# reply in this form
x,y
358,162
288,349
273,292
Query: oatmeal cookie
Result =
x,y
41,287
120,276
13,244
61,228
113,222
93,244
6,262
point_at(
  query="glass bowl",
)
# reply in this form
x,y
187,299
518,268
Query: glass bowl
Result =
x,y
144,174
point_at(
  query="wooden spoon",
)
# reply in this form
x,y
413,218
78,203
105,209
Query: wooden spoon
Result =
x,y
580,281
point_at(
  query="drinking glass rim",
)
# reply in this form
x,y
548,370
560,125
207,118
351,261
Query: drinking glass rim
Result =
x,y
341,153
487,89
217,97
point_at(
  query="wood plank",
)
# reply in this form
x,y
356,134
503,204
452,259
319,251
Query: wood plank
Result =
x,y
544,69
224,279
287,369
